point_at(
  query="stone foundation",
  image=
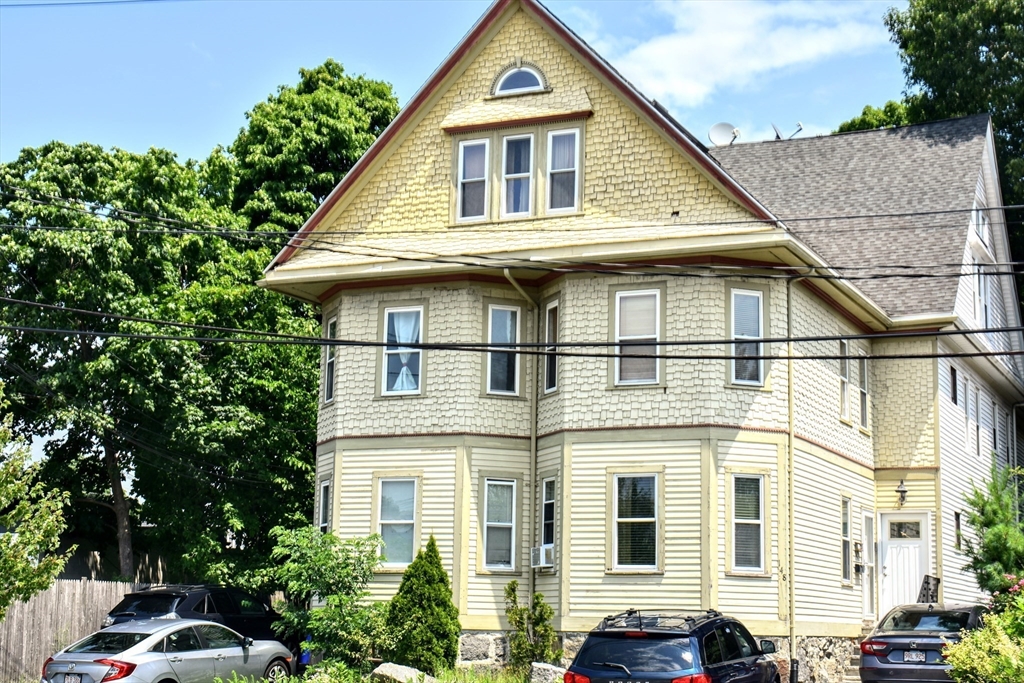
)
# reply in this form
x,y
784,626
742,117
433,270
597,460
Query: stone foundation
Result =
x,y
482,650
824,659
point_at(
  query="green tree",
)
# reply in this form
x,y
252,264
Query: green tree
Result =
x,y
892,114
324,581
301,142
213,437
997,551
532,638
423,613
31,521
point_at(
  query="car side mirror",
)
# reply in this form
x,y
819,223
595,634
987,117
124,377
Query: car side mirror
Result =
x,y
247,642
767,647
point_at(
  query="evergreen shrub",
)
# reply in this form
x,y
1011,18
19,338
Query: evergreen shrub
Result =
x,y
532,638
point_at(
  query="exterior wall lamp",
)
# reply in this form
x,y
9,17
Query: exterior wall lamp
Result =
x,y
902,491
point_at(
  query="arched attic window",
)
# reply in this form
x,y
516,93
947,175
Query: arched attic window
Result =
x,y
518,79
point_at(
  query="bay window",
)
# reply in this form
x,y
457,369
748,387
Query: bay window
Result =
x,y
472,191
637,324
503,366
402,326
499,523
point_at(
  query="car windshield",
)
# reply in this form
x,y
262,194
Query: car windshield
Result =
x,y
647,655
906,620
108,643
145,604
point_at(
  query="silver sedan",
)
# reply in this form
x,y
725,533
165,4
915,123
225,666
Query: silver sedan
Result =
x,y
167,651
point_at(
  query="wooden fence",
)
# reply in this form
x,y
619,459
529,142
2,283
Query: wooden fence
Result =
x,y
68,610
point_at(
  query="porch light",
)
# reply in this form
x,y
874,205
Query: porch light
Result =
x,y
902,491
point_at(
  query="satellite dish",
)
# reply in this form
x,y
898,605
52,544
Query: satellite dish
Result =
x,y
799,127
723,134
778,133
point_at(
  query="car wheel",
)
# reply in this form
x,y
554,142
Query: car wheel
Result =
x,y
277,670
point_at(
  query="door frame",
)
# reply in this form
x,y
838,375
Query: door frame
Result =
x,y
926,517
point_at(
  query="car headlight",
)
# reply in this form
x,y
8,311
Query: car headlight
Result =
x,y
169,615
107,621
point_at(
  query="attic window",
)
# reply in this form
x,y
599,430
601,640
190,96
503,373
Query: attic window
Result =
x,y
519,79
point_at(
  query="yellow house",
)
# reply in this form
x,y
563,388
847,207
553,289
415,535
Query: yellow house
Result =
x,y
724,372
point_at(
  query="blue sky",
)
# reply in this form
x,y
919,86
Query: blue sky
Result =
x,y
180,74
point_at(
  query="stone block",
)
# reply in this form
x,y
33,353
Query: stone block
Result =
x,y
546,673
395,673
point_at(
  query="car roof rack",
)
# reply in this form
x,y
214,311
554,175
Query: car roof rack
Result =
x,y
177,587
634,620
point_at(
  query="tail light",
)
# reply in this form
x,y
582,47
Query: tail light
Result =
x,y
571,677
117,669
693,678
873,647
48,660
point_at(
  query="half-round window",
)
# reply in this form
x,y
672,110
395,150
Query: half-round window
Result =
x,y
522,79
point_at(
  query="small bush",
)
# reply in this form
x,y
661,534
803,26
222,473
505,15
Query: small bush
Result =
x,y
423,616
993,653
532,638
484,676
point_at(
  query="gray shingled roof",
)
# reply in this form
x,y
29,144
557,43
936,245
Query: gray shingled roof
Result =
x,y
927,167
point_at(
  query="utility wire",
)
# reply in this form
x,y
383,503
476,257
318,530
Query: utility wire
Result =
x,y
82,3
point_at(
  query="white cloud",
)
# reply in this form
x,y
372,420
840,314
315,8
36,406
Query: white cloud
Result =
x,y
730,44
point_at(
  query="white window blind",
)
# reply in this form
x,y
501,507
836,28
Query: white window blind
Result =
x,y
503,366
402,364
748,522
472,198
517,173
562,172
746,324
637,322
398,519
636,521
499,528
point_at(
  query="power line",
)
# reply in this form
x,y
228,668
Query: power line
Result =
x,y
82,3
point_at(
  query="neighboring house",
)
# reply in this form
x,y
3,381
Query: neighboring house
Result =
x,y
520,198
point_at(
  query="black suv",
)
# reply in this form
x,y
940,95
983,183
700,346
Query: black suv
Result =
x,y
234,608
704,647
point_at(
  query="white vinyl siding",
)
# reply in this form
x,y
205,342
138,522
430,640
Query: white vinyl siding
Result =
x,y
503,366
747,324
563,171
474,163
402,364
637,320
331,353
516,176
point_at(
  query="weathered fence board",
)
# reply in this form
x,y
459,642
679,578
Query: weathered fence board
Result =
x,y
52,619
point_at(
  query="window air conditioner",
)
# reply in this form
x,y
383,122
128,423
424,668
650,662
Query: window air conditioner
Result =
x,y
542,556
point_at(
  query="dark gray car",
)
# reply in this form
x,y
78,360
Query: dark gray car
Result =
x,y
907,643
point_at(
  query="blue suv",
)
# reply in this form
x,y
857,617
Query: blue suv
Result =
x,y
704,647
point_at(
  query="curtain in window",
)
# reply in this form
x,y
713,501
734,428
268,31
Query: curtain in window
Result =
x,y
638,320
747,522
398,519
563,171
746,312
404,367
500,499
636,522
503,364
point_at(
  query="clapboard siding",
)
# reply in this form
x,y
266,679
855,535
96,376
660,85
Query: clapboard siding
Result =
x,y
437,491
594,592
820,485
749,597
486,591
53,619
549,460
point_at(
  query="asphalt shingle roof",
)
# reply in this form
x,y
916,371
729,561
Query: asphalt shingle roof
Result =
x,y
922,168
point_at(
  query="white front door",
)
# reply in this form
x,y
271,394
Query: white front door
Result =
x,y
868,557
904,558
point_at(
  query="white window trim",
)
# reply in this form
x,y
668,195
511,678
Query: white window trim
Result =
x,y
515,356
486,180
487,525
844,380
760,523
386,352
382,522
505,177
330,365
954,386
615,523
846,542
324,513
498,92
554,511
619,296
575,169
977,422
734,336
551,383
862,391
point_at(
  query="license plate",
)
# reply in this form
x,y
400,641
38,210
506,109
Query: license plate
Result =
x,y
908,656
72,678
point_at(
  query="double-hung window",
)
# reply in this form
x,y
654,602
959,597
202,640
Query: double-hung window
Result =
x,y
397,519
551,339
503,366
472,191
547,512
977,423
499,524
563,179
637,325
331,352
325,506
748,523
862,379
636,521
402,327
517,174
954,386
747,368
847,557
995,428
844,379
